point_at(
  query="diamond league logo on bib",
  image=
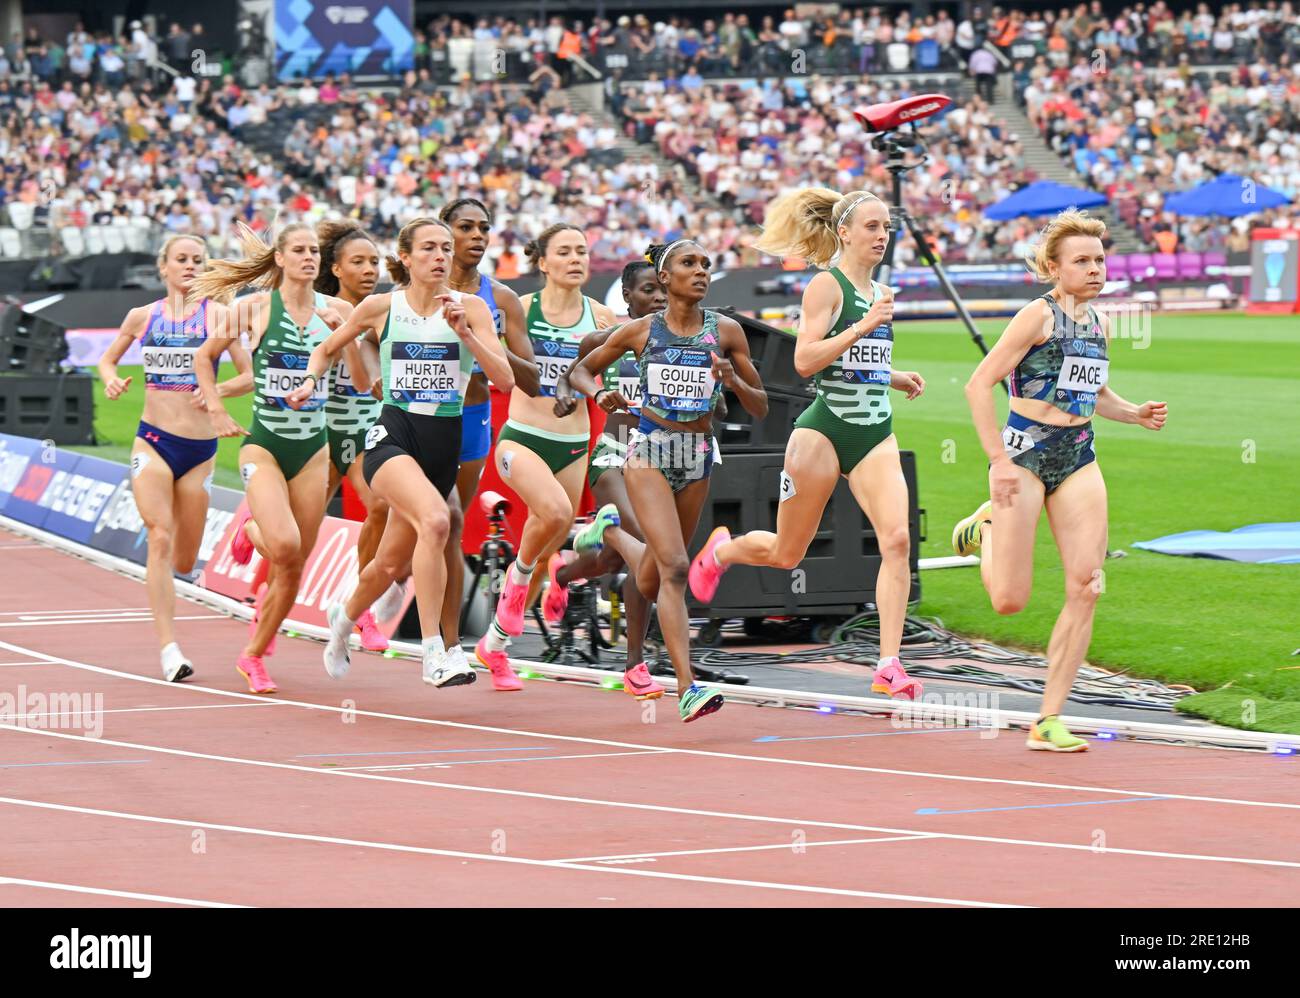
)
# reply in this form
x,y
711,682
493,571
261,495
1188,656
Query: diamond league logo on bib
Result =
x,y
550,346
672,353
412,349
290,360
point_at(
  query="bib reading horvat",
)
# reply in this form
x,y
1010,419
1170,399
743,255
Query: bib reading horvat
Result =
x,y
280,366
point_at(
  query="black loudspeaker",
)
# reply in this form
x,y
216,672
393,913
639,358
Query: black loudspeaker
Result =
x,y
30,343
772,351
835,577
741,433
48,407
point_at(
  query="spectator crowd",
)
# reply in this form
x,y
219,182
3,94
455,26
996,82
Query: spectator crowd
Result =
x,y
92,135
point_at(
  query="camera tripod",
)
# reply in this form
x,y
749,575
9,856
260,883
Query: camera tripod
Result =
x,y
893,145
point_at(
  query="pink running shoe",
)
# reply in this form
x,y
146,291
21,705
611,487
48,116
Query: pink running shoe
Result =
x,y
498,663
252,669
241,548
510,607
890,678
705,572
557,596
372,638
638,683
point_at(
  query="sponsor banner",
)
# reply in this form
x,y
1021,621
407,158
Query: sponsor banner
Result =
x,y
15,454
120,531
86,346
76,498
362,37
46,465
329,576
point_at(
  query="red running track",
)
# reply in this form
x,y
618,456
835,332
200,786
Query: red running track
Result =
x,y
382,791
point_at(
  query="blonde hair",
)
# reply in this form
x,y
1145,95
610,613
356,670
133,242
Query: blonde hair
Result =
x,y
405,240
257,269
805,222
172,241
1062,227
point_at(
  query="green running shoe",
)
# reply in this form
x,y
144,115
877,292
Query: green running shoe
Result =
x,y
697,701
1050,735
592,536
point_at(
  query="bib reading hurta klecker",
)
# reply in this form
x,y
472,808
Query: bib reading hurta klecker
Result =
x,y
555,348
676,372
280,366
855,385
169,347
1070,369
425,365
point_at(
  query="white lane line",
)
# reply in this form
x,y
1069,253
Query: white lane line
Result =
x,y
47,612
77,621
659,808
780,845
79,889
480,762
4,665
701,753
147,710
493,858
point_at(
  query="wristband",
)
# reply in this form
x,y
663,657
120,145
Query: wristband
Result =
x,y
314,380
599,391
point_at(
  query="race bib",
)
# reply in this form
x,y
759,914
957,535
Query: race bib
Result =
x,y
554,358
375,434
169,366
869,361
283,374
1016,442
343,380
684,384
425,373
787,487
1083,374
630,389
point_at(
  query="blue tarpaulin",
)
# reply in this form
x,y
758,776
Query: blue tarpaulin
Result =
x,y
1044,197
1266,543
1227,194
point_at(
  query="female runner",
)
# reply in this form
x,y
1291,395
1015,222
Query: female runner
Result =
x,y
285,459
542,456
846,340
428,337
670,456
1055,351
175,448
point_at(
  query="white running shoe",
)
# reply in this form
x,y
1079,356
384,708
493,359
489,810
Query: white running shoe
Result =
x,y
386,607
175,666
443,668
336,654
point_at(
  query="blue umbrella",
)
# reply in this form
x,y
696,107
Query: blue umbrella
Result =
x,y
1227,194
1044,197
